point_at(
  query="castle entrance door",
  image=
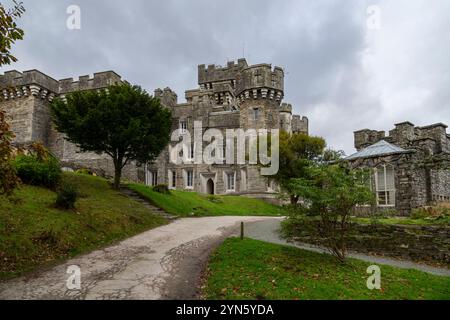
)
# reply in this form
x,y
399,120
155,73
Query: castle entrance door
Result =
x,y
210,186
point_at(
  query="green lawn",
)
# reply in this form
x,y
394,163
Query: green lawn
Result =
x,y
33,233
184,203
403,221
250,269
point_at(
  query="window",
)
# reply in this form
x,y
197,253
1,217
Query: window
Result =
x,y
153,178
191,150
189,178
243,180
172,179
224,150
385,185
255,114
183,126
230,181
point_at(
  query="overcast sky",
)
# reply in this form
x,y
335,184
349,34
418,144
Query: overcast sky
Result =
x,y
340,73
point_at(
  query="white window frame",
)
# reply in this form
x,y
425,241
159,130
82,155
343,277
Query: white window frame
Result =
x,y
389,193
190,152
230,184
183,126
243,180
153,178
172,175
256,113
189,183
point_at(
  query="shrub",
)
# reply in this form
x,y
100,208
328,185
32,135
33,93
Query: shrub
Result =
x,y
214,199
84,171
437,212
66,197
40,172
161,188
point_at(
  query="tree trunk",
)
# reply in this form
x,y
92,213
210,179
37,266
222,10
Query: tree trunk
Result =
x,y
117,172
117,176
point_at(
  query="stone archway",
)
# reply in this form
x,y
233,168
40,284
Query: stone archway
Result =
x,y
210,186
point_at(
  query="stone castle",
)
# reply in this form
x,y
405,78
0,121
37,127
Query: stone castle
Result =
x,y
236,96
410,165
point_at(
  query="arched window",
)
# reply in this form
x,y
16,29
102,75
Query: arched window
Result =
x,y
385,185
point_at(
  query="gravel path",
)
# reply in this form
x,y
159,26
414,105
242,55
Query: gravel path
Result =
x,y
163,263
268,231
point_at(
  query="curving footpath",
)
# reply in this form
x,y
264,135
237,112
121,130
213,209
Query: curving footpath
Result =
x,y
162,263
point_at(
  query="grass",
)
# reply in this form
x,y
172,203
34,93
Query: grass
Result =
x,y
250,269
183,203
33,233
403,221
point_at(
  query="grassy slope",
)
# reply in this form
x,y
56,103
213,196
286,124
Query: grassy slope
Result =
x,y
33,233
252,269
184,203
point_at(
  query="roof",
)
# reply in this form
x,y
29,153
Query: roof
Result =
x,y
380,148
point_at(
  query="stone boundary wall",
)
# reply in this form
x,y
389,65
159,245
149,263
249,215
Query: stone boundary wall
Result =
x,y
427,244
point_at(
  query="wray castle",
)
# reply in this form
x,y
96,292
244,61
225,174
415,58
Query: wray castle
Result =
x,y
236,96
410,165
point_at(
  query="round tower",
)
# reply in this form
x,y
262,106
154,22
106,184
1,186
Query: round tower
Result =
x,y
259,91
286,117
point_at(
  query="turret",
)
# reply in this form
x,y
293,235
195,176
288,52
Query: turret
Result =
x,y
259,91
286,117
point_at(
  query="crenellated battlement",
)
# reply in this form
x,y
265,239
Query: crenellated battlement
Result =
x,y
98,81
168,97
406,135
286,108
213,73
15,84
300,124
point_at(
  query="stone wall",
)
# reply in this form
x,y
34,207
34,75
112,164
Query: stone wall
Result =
x,y
440,185
429,244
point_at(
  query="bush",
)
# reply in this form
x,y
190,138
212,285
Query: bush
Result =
x,y
67,195
437,212
40,172
214,199
84,171
161,188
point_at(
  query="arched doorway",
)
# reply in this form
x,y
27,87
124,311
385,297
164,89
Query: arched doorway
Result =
x,y
210,186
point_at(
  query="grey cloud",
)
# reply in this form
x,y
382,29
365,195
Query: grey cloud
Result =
x,y
336,73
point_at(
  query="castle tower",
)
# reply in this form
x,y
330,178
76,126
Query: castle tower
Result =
x,y
286,117
259,91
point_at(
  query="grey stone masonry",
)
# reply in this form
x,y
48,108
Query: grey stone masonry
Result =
x,y
421,172
236,96
26,97
232,97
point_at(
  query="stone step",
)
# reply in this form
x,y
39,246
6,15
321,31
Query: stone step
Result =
x,y
137,197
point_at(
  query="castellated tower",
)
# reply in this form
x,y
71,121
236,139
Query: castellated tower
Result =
x,y
259,91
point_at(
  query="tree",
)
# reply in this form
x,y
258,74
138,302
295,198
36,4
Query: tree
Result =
x,y
8,177
332,192
124,122
297,152
9,31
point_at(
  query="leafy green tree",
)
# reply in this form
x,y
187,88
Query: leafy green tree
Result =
x,y
8,177
124,122
331,193
9,31
297,152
